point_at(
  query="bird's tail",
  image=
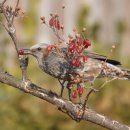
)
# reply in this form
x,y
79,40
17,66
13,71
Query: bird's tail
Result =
x,y
115,72
126,73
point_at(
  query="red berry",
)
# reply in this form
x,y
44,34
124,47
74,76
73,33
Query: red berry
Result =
x,y
21,52
71,50
51,22
79,41
71,41
86,43
71,47
78,50
57,24
85,59
74,94
49,48
76,62
80,90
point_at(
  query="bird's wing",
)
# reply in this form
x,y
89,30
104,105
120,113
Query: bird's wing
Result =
x,y
101,57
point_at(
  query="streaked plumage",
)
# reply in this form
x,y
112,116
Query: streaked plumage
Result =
x,y
97,66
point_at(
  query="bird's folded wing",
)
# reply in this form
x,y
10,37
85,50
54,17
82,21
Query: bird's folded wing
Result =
x,y
101,57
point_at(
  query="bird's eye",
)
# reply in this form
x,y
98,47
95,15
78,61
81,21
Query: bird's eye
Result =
x,y
39,48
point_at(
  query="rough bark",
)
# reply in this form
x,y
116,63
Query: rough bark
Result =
x,y
75,111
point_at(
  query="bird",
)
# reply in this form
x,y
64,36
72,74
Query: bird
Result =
x,y
55,63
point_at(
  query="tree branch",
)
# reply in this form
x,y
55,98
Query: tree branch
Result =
x,y
75,111
3,2
15,11
9,15
69,108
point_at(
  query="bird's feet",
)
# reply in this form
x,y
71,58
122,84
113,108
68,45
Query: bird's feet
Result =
x,y
79,113
26,84
83,106
62,87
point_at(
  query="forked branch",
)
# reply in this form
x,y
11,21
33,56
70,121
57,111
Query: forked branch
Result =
x,y
75,111
9,14
69,108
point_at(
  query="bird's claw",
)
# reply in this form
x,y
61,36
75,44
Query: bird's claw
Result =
x,y
26,84
80,112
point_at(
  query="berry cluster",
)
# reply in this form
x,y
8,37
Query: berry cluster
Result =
x,y
77,92
75,47
54,22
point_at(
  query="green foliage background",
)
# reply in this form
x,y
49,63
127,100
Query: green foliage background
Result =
x,y
20,111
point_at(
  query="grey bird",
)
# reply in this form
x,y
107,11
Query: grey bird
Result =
x,y
55,64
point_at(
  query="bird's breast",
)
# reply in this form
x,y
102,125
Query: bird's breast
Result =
x,y
55,66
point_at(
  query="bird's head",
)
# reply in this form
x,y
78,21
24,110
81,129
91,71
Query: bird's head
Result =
x,y
37,50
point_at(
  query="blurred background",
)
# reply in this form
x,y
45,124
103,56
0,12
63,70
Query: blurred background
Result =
x,y
107,23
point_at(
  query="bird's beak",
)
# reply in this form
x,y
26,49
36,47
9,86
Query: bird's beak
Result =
x,y
25,52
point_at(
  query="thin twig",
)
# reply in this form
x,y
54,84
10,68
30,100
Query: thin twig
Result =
x,y
10,27
86,100
4,26
87,96
15,11
3,2
57,35
5,15
106,82
62,86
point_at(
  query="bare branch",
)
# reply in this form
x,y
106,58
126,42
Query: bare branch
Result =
x,y
69,108
87,96
4,13
15,10
75,111
4,26
3,2
106,82
9,16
